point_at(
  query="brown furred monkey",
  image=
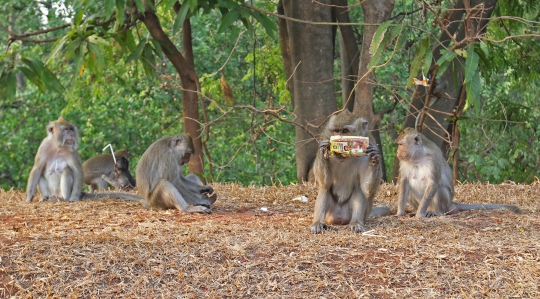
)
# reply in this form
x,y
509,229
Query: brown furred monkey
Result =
x,y
57,170
425,179
95,167
347,186
160,180
122,179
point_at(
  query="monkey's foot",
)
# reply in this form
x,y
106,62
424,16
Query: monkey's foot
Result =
x,y
199,209
320,227
430,214
357,227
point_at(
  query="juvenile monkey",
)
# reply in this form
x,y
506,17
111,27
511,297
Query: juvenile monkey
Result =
x,y
347,186
102,165
57,170
160,180
425,179
122,179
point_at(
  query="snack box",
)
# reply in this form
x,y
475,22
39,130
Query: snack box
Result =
x,y
349,145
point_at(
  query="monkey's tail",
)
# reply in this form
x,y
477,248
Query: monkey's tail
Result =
x,y
379,210
120,195
468,207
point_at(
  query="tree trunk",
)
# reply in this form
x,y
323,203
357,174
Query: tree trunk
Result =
x,y
311,48
189,80
349,54
375,12
436,128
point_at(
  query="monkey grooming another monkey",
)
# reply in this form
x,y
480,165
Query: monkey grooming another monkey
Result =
x,y
57,170
160,180
425,179
103,165
122,179
347,186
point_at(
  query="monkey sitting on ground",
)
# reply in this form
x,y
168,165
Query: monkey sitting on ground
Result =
x,y
425,179
122,179
57,170
347,186
160,180
102,165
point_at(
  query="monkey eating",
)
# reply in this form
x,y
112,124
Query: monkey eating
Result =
x,y
122,179
347,185
160,180
426,181
57,170
98,167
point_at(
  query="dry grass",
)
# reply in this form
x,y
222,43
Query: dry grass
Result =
x,y
116,249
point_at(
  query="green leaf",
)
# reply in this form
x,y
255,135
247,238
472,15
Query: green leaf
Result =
x,y
228,19
94,39
130,41
447,56
168,4
378,37
157,48
33,77
180,18
79,59
51,81
193,5
109,8
421,51
58,45
78,17
137,53
120,7
471,65
427,62
99,61
268,24
473,94
380,51
140,5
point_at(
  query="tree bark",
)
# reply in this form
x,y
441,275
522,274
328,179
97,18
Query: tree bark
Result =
x,y
349,53
375,12
189,80
311,48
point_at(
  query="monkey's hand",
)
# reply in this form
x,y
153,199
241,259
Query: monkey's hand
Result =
x,y
374,154
324,147
206,189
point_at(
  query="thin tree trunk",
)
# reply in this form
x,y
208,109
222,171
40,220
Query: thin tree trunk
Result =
x,y
189,80
311,48
375,12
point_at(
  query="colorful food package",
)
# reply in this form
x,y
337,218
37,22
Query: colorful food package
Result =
x,y
349,146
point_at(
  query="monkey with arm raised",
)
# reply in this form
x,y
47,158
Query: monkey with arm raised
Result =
x,y
98,167
347,186
57,170
160,180
122,179
425,179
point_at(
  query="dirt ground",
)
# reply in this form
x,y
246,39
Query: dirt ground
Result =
x,y
117,249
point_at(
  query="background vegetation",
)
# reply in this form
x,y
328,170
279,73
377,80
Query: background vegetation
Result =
x,y
122,94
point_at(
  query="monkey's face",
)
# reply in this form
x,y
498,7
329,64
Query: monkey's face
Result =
x,y
341,131
409,145
66,135
122,164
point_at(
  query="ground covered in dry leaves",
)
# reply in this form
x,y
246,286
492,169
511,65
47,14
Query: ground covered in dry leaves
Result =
x,y
117,249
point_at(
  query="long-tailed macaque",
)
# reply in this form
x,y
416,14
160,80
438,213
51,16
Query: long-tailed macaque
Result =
x,y
425,179
102,165
160,180
122,179
57,170
347,186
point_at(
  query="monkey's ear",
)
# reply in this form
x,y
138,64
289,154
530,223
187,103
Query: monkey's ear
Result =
x,y
364,127
417,139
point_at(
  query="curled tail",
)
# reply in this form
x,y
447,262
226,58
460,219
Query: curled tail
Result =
x,y
379,210
120,195
457,207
